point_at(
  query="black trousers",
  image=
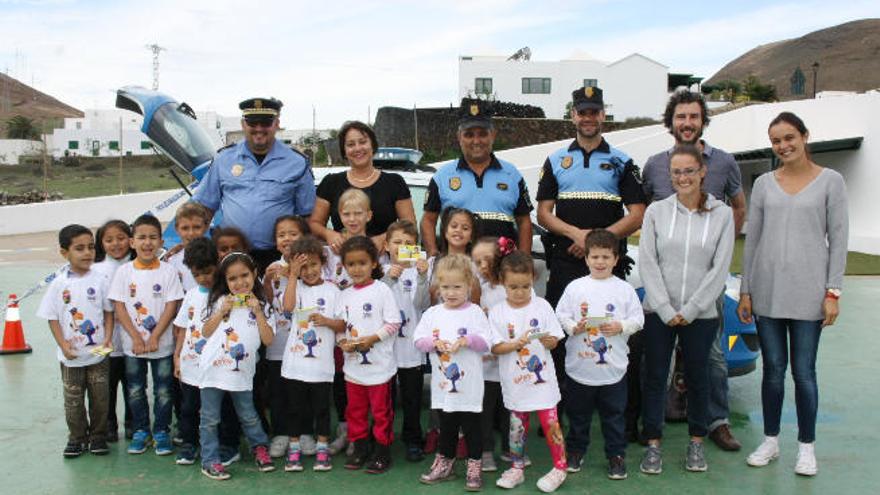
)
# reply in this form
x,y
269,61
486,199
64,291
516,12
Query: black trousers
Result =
x,y
610,401
634,380
279,410
409,384
117,376
309,405
469,424
188,421
494,418
340,399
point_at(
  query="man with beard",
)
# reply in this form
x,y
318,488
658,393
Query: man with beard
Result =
x,y
492,189
256,181
686,117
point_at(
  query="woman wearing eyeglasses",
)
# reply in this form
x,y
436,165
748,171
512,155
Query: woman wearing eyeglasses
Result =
x,y
684,254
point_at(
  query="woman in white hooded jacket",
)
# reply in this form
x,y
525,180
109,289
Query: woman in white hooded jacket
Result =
x,y
684,255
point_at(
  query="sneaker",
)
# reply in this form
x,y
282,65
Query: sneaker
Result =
x,y
381,461
177,439
99,447
441,470
414,453
229,458
341,441
308,445
262,459
323,461
461,451
488,463
294,461
474,477
652,460
432,440
163,443
358,456
575,460
186,455
724,439
140,442
766,452
215,472
616,468
552,480
806,460
511,478
506,457
278,446
73,449
696,457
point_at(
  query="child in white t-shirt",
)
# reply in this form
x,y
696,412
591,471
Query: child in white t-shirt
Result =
x,y
456,333
81,320
191,221
288,229
308,365
112,250
524,331
408,281
355,213
598,312
239,320
201,258
146,294
371,320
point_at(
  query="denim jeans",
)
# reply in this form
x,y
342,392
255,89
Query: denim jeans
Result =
x,y
719,412
610,401
696,340
212,399
136,375
803,335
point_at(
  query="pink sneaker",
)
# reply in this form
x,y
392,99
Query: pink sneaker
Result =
x,y
262,459
323,461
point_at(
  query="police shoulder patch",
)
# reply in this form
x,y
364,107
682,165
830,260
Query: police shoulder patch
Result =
x,y
501,186
606,166
566,162
455,183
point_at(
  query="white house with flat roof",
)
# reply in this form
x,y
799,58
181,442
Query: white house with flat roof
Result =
x,y
634,86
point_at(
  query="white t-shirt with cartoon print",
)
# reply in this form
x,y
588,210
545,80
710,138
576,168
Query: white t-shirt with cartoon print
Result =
x,y
528,377
366,310
187,281
406,289
456,379
275,351
191,317
109,267
308,351
78,303
145,292
229,359
333,270
591,358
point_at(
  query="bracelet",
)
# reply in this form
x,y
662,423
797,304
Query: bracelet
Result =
x,y
833,294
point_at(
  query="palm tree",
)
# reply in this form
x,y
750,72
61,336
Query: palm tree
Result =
x,y
21,127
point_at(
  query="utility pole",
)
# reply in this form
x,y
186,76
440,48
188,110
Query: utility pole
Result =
x,y
416,124
815,67
121,191
156,49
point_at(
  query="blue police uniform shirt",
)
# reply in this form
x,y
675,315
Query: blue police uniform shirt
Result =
x,y
251,195
589,188
497,197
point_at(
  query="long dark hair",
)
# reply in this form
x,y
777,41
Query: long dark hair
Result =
x,y
221,288
361,243
100,254
695,153
445,217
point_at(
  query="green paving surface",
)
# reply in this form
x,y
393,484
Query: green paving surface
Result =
x,y
33,433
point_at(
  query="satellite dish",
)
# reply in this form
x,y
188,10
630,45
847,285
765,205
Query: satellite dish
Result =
x,y
524,53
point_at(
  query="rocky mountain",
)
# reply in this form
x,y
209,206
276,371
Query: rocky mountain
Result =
x,y
17,98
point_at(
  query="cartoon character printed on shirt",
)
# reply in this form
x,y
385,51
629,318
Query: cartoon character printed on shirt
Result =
x,y
596,345
80,325
403,322
341,276
143,318
450,370
234,348
354,334
527,361
600,345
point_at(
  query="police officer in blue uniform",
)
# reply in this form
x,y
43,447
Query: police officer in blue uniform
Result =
x,y
257,180
585,186
493,189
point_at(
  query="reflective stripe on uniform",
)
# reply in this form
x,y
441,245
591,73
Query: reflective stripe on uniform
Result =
x,y
491,215
589,195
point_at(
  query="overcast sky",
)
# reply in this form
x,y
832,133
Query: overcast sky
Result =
x,y
343,57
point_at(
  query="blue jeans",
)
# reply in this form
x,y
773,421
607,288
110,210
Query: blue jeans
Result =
x,y
719,411
136,375
212,400
610,400
775,335
696,340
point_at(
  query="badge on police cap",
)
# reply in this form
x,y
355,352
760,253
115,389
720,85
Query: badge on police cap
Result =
x,y
455,183
566,162
475,110
588,91
237,169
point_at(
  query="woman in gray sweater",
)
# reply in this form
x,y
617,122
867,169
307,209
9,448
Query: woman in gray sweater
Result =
x,y
684,253
793,265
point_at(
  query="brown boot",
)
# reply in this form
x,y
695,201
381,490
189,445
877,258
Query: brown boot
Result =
x,y
724,439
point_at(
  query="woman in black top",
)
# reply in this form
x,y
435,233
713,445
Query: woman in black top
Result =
x,y
390,199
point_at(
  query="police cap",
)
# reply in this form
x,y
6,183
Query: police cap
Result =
x,y
588,97
260,109
474,113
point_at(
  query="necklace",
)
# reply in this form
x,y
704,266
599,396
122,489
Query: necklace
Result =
x,y
352,178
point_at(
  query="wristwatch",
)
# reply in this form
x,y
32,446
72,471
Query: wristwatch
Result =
x,y
833,293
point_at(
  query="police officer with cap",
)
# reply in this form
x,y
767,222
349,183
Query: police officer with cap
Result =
x,y
257,180
492,189
585,186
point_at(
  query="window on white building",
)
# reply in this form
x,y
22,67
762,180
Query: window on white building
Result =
x,y
113,145
536,85
483,86
594,83
145,145
79,125
73,145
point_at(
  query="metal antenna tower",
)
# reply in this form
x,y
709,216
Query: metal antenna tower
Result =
x,y
156,49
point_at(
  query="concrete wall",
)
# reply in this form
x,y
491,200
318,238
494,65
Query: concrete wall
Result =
x,y
12,149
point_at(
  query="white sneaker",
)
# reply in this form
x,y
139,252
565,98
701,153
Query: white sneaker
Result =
x,y
766,452
511,478
341,441
278,446
488,465
308,445
552,480
806,460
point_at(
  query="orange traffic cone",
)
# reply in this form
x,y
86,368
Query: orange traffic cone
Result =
x,y
13,333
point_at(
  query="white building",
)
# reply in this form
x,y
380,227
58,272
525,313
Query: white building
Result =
x,y
109,132
13,149
634,86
